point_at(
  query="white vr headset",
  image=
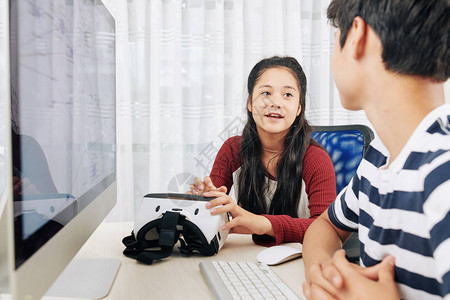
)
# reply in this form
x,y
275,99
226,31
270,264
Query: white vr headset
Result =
x,y
164,219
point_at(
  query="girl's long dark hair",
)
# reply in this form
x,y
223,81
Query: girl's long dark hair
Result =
x,y
252,178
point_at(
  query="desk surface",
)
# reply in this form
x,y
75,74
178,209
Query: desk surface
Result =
x,y
175,277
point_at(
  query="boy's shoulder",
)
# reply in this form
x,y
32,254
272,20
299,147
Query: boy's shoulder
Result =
x,y
440,120
431,140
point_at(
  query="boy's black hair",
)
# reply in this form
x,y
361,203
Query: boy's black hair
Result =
x,y
252,178
414,33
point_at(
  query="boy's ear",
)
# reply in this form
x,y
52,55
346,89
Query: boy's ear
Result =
x,y
249,103
357,37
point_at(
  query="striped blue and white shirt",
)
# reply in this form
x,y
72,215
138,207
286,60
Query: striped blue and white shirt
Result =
x,y
404,209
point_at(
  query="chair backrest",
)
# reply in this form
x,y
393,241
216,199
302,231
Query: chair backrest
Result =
x,y
346,145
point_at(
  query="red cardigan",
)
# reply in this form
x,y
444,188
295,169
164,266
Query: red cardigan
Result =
x,y
320,187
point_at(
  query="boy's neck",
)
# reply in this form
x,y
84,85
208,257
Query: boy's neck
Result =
x,y
398,104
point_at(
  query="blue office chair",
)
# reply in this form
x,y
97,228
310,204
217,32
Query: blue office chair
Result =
x,y
346,145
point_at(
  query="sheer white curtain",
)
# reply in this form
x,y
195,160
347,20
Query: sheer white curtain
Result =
x,y
4,101
183,66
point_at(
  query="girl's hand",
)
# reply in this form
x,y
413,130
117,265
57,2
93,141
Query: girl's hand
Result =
x,y
242,221
200,187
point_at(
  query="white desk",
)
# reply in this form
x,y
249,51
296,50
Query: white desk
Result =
x,y
175,277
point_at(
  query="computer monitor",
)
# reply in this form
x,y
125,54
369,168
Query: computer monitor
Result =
x,y
57,137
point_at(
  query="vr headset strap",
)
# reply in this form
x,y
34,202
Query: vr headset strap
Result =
x,y
168,233
136,248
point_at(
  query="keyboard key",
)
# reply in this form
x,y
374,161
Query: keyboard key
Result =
x,y
244,280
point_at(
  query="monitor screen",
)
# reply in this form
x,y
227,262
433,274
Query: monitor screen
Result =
x,y
63,125
63,114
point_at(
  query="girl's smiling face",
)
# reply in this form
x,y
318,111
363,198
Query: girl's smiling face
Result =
x,y
275,100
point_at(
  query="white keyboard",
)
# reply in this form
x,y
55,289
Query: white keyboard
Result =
x,y
244,280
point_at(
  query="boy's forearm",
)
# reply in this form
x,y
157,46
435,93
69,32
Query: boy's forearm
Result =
x,y
321,241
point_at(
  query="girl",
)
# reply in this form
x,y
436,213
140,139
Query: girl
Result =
x,y
283,179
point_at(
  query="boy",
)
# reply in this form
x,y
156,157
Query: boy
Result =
x,y
390,58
